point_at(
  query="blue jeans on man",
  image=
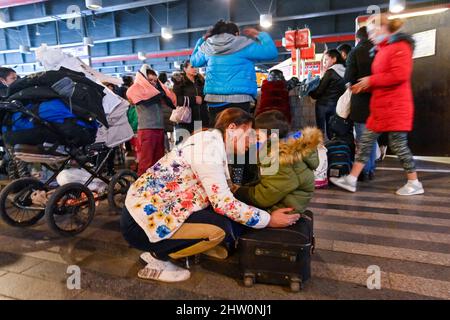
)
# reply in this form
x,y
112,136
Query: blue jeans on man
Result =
x,y
370,166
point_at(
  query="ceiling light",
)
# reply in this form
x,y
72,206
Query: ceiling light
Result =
x,y
265,20
166,32
141,56
94,4
396,6
417,13
88,41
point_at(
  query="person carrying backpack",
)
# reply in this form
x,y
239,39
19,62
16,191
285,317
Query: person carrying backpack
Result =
x,y
391,104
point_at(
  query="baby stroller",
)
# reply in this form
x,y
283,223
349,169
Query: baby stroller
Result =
x,y
70,208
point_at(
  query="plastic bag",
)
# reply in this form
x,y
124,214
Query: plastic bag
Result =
x,y
80,176
343,104
320,174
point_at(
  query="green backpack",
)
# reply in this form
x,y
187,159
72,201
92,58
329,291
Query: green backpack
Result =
x,y
133,118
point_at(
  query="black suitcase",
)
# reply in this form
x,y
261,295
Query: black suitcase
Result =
x,y
278,256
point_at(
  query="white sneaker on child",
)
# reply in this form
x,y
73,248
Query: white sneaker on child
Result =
x,y
160,270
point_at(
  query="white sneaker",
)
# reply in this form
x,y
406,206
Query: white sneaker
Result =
x,y
410,189
344,183
146,257
164,271
383,150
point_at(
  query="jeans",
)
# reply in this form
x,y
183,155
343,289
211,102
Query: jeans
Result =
x,y
214,111
370,166
323,115
201,231
398,143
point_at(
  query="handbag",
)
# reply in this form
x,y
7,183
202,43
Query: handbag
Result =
x,y
343,104
182,114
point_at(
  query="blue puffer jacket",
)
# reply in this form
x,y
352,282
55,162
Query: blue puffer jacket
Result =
x,y
230,62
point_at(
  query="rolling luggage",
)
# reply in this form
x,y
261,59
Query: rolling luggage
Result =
x,y
278,256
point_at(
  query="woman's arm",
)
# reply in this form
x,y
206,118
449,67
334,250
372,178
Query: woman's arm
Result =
x,y
323,86
399,71
208,164
262,50
198,58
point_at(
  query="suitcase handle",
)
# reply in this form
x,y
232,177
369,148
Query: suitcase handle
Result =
x,y
291,256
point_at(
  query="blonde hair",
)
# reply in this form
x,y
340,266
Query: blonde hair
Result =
x,y
393,25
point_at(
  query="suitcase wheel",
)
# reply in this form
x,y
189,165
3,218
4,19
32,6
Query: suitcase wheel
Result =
x,y
296,285
249,280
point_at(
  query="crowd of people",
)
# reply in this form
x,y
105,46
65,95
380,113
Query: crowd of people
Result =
x,y
187,199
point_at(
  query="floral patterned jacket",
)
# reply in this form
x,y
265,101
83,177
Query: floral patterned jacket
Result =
x,y
190,178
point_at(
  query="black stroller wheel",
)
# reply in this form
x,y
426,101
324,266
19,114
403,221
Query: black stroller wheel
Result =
x,y
118,188
70,209
16,206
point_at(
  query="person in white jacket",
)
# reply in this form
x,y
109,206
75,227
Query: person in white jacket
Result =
x,y
183,205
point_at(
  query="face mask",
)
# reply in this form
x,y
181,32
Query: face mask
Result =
x,y
380,38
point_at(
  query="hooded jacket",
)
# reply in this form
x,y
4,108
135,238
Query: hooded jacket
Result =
x,y
3,90
143,90
274,96
293,185
391,104
331,87
150,100
230,62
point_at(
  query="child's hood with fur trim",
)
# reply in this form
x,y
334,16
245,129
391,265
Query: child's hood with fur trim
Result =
x,y
300,149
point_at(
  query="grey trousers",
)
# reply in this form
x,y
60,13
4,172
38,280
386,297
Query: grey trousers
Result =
x,y
398,142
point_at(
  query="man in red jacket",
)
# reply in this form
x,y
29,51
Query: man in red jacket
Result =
x,y
391,104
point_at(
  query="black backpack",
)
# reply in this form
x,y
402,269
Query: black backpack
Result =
x,y
340,127
339,154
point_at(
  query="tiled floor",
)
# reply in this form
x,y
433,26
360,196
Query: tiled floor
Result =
x,y
408,238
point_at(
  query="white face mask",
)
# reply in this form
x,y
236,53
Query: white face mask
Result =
x,y
380,38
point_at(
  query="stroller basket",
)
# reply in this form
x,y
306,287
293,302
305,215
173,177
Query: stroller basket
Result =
x,y
38,154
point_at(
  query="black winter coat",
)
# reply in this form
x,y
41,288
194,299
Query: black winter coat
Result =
x,y
359,64
189,89
3,90
330,89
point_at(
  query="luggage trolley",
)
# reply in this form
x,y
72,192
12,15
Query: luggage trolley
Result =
x,y
70,208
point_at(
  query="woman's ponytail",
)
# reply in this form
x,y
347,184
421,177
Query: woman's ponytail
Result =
x,y
395,24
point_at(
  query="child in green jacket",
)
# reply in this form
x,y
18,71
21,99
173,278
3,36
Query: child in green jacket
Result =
x,y
292,186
